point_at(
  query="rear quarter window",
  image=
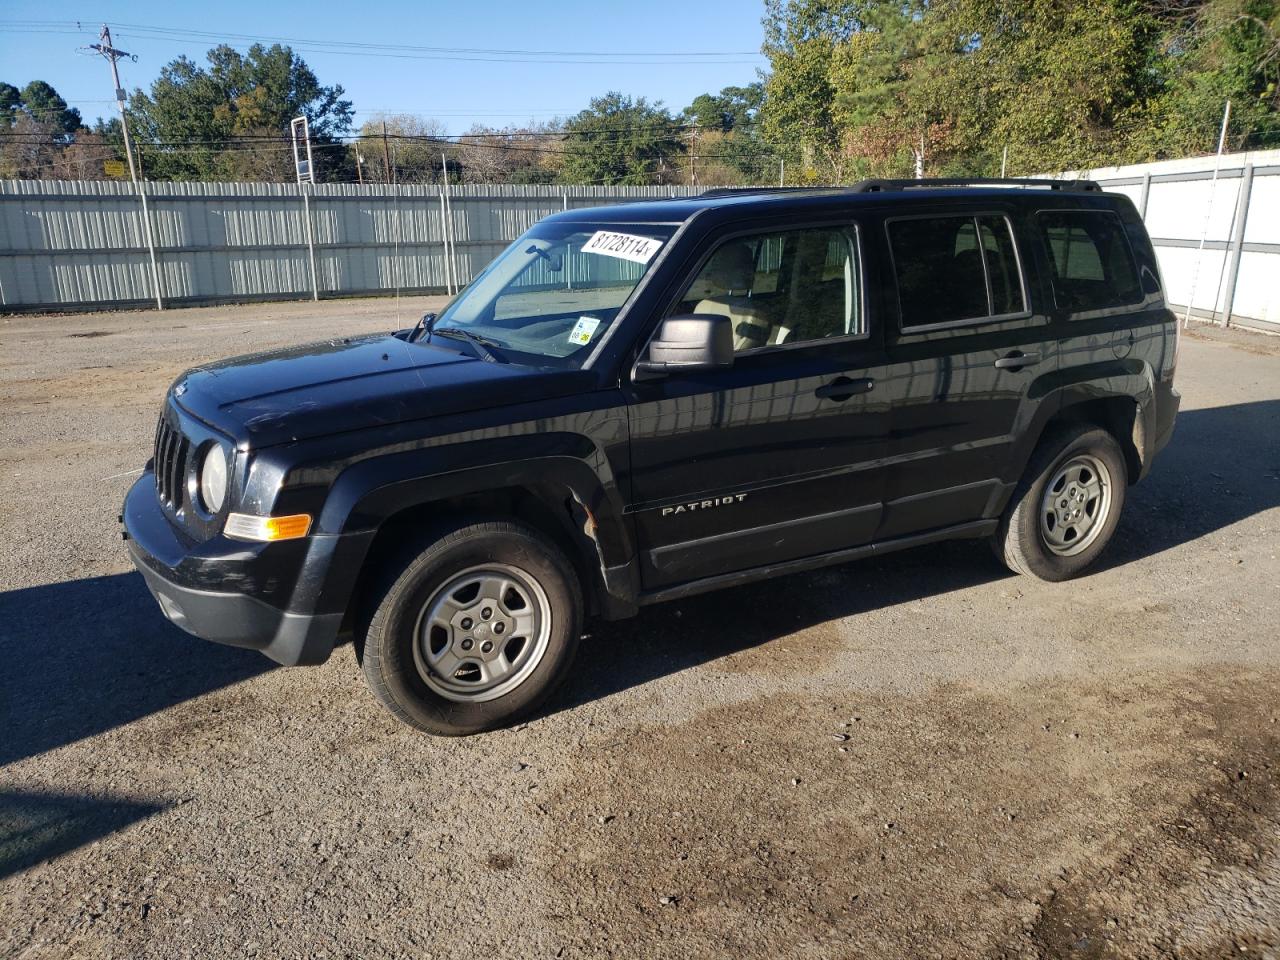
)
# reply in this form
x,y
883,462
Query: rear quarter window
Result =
x,y
1092,264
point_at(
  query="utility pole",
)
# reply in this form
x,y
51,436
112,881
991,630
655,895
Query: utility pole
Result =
x,y
386,154
113,56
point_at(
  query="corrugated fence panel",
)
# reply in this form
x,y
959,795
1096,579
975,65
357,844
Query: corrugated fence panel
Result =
x,y
83,244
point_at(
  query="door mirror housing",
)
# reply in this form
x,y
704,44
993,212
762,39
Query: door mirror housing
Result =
x,y
689,343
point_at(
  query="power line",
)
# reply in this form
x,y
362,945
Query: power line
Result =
x,y
402,51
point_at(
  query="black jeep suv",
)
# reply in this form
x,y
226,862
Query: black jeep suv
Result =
x,y
642,402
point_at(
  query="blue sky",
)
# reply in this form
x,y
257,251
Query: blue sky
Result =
x,y
639,39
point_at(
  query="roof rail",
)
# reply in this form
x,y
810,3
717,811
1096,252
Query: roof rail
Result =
x,y
740,191
877,186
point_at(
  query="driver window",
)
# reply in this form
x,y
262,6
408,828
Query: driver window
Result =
x,y
782,287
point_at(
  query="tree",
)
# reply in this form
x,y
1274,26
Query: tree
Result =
x,y
861,87
43,104
528,154
231,119
414,146
1217,50
725,146
10,104
618,140
733,108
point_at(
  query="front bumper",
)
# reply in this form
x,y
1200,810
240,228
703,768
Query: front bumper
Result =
x,y
261,596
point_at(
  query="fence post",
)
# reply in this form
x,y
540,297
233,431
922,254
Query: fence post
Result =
x,y
311,243
1146,193
151,243
444,244
1236,247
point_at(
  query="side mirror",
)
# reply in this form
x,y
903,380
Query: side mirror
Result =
x,y
688,344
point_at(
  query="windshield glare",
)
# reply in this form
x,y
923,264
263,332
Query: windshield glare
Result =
x,y
554,292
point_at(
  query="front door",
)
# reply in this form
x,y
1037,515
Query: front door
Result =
x,y
777,457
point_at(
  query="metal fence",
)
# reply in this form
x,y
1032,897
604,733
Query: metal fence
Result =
x,y
74,245
1215,223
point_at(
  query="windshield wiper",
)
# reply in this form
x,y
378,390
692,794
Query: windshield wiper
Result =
x,y
481,344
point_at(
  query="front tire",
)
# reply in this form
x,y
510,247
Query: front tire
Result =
x,y
474,632
1067,506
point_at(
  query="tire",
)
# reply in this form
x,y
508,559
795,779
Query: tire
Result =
x,y
422,652
1059,538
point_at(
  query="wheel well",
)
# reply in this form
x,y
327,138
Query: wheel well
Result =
x,y
1119,417
547,511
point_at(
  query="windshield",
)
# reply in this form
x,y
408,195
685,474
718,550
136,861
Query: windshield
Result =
x,y
553,293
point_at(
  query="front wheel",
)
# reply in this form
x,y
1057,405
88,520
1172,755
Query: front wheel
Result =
x,y
474,632
1064,512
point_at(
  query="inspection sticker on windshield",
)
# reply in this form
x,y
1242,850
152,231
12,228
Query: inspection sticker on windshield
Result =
x,y
583,330
624,245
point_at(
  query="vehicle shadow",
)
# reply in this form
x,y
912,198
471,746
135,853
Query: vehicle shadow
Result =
x,y
1222,466
37,826
86,656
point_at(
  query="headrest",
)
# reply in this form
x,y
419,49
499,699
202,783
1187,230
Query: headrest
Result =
x,y
732,267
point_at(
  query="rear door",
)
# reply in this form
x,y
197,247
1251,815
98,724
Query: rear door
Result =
x,y
964,358
778,457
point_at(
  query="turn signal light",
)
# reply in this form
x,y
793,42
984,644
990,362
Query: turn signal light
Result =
x,y
242,526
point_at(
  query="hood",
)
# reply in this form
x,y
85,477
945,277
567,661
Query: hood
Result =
x,y
338,385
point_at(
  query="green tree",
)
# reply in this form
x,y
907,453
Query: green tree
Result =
x,y
618,140
838,66
10,104
1217,50
723,134
45,105
230,120
733,108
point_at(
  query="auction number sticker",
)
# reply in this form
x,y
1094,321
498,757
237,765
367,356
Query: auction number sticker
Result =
x,y
584,330
625,246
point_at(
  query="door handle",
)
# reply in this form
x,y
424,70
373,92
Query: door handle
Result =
x,y
842,388
1017,360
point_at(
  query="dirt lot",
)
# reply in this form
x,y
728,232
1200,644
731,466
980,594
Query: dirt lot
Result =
x,y
920,755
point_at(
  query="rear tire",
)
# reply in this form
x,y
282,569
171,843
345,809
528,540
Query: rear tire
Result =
x,y
1064,511
475,631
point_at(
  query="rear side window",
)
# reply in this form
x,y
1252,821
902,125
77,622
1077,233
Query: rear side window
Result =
x,y
955,269
1093,266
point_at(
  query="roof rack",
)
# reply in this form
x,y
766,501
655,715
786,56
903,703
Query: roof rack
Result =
x,y
881,186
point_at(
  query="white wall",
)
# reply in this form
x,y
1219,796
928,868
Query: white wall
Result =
x,y
1185,205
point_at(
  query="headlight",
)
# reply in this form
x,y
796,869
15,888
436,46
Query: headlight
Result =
x,y
213,478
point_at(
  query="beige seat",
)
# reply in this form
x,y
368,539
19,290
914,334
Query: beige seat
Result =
x,y
725,285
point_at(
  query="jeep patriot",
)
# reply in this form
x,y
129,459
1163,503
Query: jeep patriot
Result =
x,y
641,402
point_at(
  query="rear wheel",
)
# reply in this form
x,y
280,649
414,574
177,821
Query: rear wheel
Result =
x,y
474,632
1065,510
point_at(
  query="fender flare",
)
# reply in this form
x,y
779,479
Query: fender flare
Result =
x,y
558,469
1125,378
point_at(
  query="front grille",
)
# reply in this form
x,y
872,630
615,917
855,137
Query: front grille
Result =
x,y
171,463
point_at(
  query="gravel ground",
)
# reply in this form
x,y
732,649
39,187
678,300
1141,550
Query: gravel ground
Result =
x,y
919,755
